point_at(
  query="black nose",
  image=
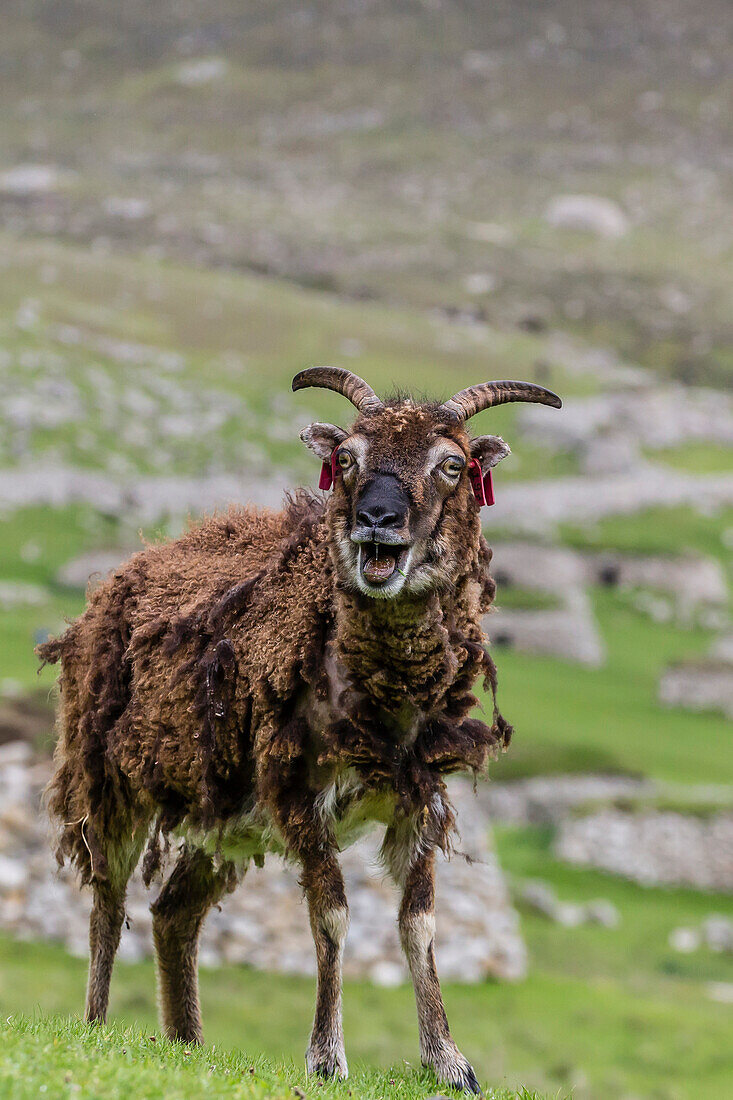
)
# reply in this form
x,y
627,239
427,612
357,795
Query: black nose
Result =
x,y
384,503
377,516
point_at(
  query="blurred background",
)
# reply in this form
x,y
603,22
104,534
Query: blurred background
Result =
x,y
198,200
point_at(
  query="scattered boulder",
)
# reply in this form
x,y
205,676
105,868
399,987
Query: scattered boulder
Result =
x,y
685,940
587,214
19,593
698,685
656,416
610,451
201,70
24,720
533,565
602,912
547,800
538,506
30,179
718,933
693,581
128,208
722,649
541,897
722,992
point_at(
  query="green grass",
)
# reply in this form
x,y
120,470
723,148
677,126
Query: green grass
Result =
x,y
591,1031
34,543
57,1057
698,458
525,599
235,337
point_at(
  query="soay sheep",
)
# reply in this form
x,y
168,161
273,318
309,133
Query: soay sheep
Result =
x,y
277,681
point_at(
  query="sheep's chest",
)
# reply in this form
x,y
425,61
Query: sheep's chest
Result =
x,y
349,809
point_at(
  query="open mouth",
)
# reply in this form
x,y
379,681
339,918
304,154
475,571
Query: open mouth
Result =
x,y
380,562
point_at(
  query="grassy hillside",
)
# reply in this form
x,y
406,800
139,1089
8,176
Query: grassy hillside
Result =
x,y
399,162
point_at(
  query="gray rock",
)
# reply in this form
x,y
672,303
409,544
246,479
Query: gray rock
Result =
x,y
13,874
92,567
684,940
544,800
31,179
389,974
541,897
718,933
722,992
587,214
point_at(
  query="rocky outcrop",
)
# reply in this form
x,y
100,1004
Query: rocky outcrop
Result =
x,y
653,847
547,800
656,416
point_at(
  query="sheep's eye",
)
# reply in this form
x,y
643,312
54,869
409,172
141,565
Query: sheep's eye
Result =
x,y
452,467
345,460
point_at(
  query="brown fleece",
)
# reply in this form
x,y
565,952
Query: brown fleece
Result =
x,y
179,682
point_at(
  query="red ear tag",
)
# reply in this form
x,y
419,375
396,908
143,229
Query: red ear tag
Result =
x,y
477,481
326,479
482,484
329,472
489,488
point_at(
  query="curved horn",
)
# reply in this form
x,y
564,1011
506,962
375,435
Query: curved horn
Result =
x,y
475,399
342,381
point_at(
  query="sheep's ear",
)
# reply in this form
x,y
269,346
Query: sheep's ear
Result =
x,y
322,439
489,450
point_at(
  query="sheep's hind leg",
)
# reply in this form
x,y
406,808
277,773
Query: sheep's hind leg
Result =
x,y
329,918
417,933
105,927
178,914
105,924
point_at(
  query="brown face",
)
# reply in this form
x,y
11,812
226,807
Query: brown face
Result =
x,y
401,490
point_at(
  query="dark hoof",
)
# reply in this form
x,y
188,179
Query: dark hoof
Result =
x,y
332,1067
461,1077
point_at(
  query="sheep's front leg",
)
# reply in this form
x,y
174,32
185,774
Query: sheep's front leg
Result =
x,y
329,917
417,932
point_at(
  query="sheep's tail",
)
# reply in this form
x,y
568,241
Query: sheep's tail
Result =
x,y
87,796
